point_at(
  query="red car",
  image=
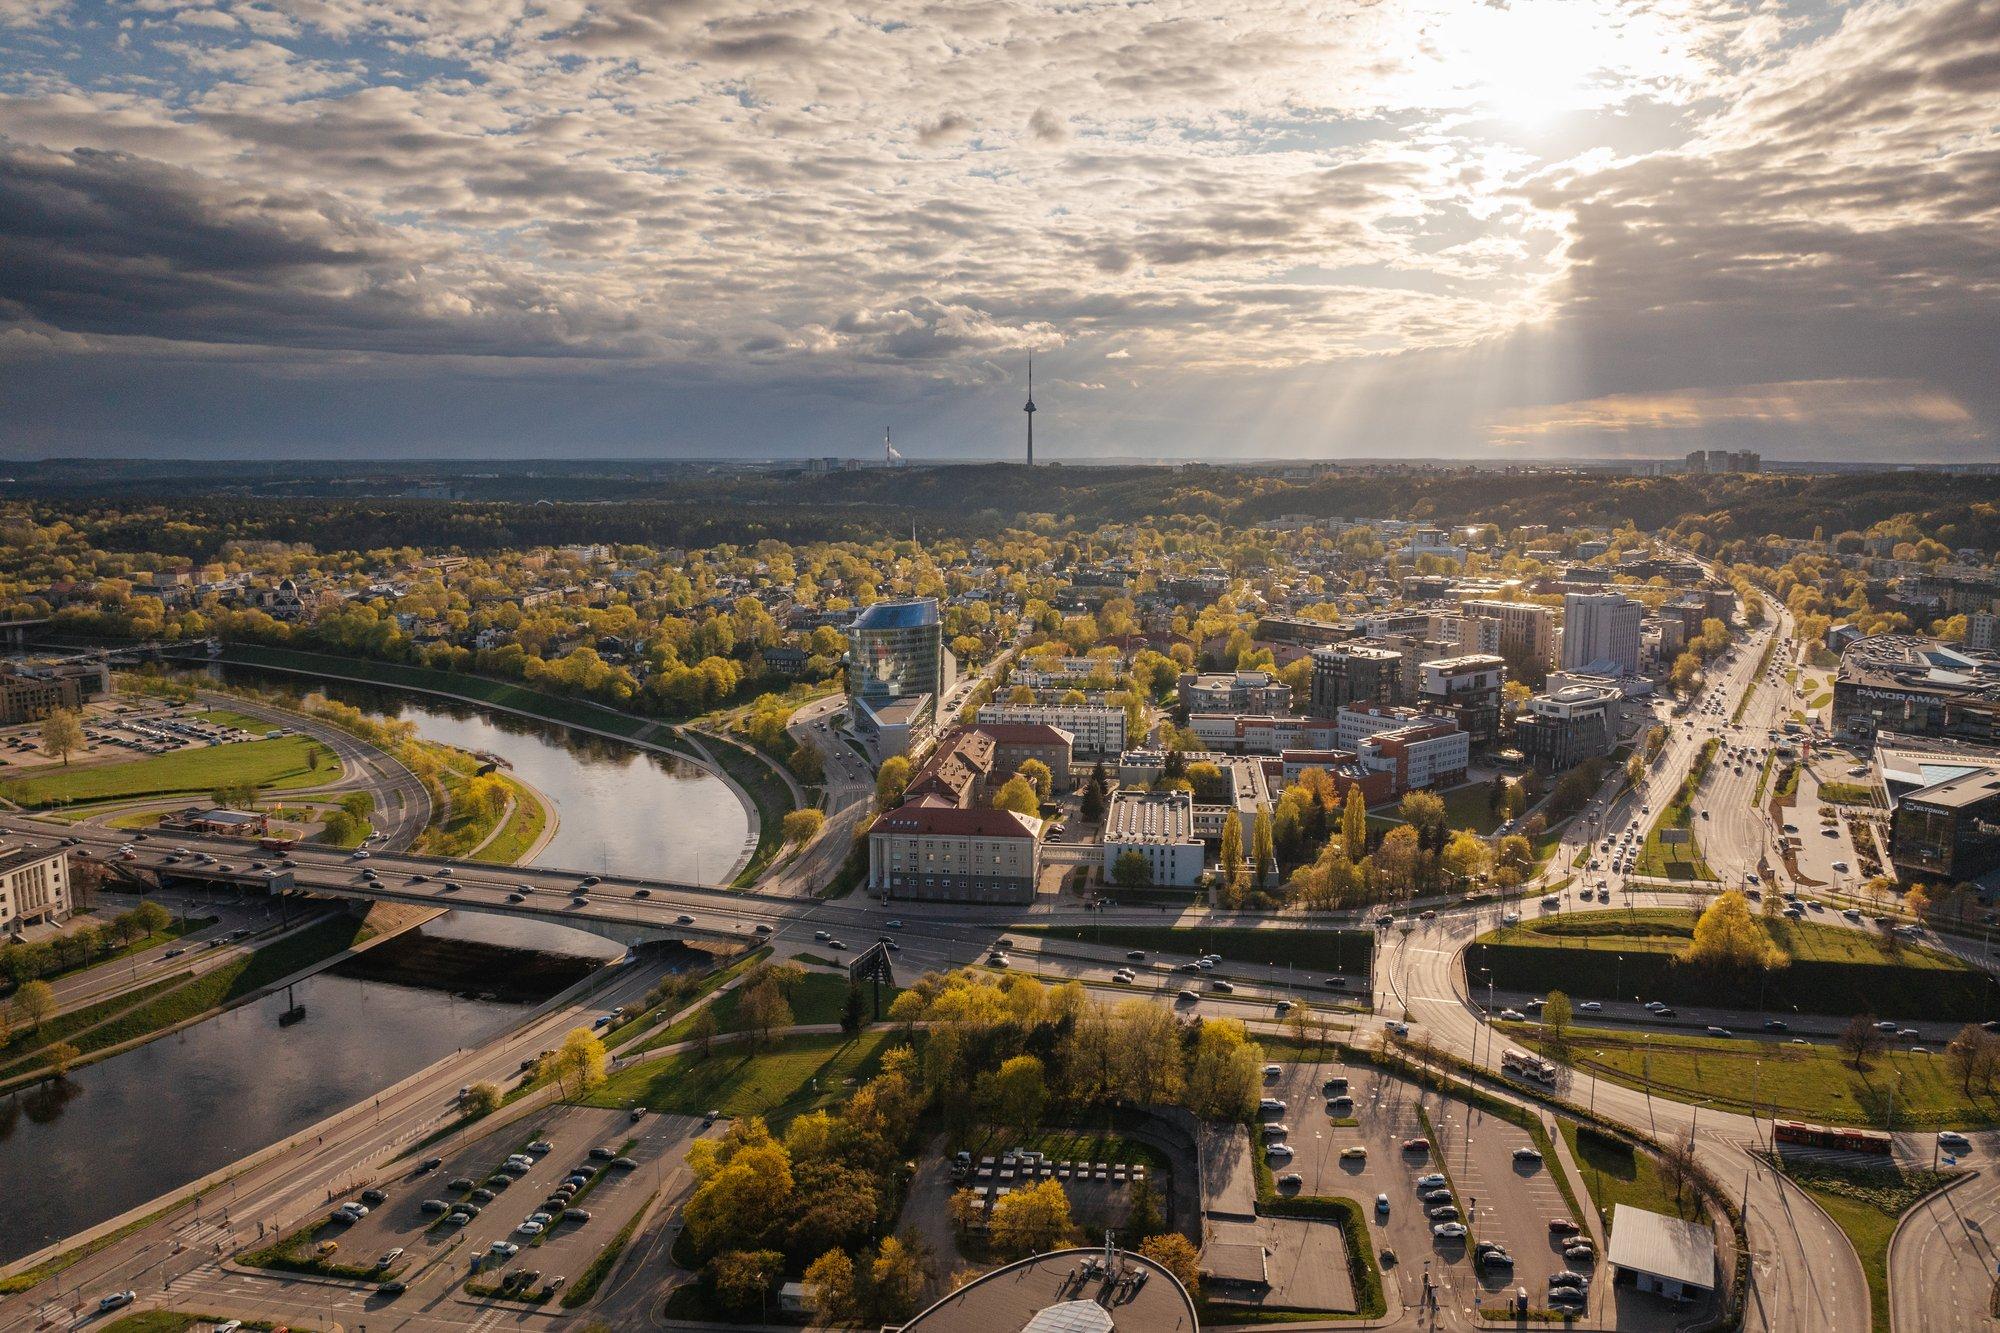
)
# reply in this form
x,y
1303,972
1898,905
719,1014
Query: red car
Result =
x,y
1418,1144
1562,1226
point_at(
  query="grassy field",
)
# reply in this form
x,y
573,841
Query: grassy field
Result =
x,y
1834,970
768,792
525,822
796,1075
1615,1172
1465,807
1813,1083
1847,793
229,717
1865,1201
1343,951
280,764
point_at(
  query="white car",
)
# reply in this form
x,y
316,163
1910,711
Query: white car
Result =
x,y
1590,1006
529,1228
1449,1230
506,1249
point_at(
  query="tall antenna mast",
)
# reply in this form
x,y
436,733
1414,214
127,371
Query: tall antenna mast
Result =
x,y
1030,409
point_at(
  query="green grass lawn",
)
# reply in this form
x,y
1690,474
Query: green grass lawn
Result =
x,y
1344,951
1833,970
1465,807
819,998
272,765
1615,1172
796,1075
1865,1201
229,717
1814,1083
525,822
768,792
1847,793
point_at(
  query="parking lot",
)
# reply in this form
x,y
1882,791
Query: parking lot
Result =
x,y
566,1247
1513,1202
1507,1200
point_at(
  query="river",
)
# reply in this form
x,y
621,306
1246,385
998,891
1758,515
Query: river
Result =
x,y
116,1134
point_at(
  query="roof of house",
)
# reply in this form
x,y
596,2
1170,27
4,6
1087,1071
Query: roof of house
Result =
x,y
1026,733
950,821
1648,1242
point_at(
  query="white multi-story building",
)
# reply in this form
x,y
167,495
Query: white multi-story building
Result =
x,y
1601,632
1096,728
1238,692
34,887
1356,721
1160,827
1982,631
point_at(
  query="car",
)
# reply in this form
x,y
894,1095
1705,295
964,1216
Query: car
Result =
x,y
461,1183
684,919
1776,1025
1382,1204
1497,1258
173,953
1431,1181
1449,1230
372,1197
1278,1150
761,929
1513,1015
1654,1006
1666,1011
1417,1144
1953,1140
389,1257
517,897
576,1215
434,1206
483,1194
1886,1025
1590,1007
506,1249
1528,1155
1442,1194
395,1288
1136,955
1271,1105
1221,987
822,936
117,1300
1354,1152
1563,1226
1123,976
1277,1129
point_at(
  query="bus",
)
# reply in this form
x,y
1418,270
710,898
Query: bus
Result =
x,y
277,844
1523,1065
1872,1141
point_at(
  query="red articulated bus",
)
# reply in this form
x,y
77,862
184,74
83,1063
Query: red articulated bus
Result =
x,y
1872,1141
277,844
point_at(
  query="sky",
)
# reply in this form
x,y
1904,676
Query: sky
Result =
x,y
1224,229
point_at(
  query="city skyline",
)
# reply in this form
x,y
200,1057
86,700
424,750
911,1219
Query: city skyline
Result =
x,y
1547,228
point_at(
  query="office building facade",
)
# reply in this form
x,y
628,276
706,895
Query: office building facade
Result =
x,y
1601,632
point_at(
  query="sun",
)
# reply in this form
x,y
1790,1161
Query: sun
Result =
x,y
1527,61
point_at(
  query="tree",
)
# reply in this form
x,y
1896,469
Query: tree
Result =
x,y
1175,1253
1232,845
480,1099
744,1278
743,1191
1556,1016
1094,794
1263,859
1131,870
1354,824
1423,811
802,826
1728,936
35,1003
1018,795
1031,1220
829,1284
151,917
60,1056
702,1029
579,1062
1861,1039
1224,1071
896,1278
1398,860
764,1009
62,733
1015,1094
1972,1054
1038,776
1466,856
853,1008
1143,1217
890,780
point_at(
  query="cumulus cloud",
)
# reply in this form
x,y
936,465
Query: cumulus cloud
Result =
x,y
1308,213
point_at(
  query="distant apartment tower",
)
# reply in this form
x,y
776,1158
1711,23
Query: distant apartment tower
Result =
x,y
1982,631
1354,673
897,670
1724,460
1522,632
1601,632
1469,688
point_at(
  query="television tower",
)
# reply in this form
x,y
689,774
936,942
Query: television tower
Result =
x,y
1030,409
